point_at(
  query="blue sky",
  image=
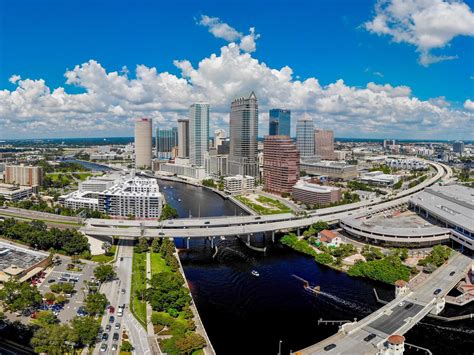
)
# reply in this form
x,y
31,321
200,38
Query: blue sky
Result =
x,y
326,40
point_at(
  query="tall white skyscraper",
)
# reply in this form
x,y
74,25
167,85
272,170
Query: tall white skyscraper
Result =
x,y
198,133
305,137
243,157
219,135
143,143
183,138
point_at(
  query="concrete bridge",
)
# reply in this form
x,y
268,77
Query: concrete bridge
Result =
x,y
411,304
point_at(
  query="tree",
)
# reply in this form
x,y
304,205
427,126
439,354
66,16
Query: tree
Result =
x,y
319,226
142,246
95,303
85,329
168,212
104,272
46,318
126,347
190,342
17,296
53,339
49,296
155,245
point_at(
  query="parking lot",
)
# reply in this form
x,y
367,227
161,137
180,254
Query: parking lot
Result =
x,y
77,298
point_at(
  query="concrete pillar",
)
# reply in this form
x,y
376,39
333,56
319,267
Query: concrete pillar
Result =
x,y
187,242
248,239
298,231
212,242
273,236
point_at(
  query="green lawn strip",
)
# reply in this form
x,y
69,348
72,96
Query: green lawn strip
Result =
x,y
261,209
138,284
2,213
103,258
158,264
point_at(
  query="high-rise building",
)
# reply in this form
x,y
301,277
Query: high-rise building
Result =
x,y
198,133
305,137
219,136
281,164
458,147
183,138
166,140
324,144
387,143
24,175
143,143
279,122
243,157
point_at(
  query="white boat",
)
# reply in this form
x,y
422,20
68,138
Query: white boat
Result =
x,y
255,273
179,200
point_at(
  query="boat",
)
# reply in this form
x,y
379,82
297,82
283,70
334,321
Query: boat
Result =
x,y
307,287
255,273
179,200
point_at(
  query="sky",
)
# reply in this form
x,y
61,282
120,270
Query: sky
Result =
x,y
366,69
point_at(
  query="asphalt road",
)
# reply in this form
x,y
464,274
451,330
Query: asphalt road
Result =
x,y
388,324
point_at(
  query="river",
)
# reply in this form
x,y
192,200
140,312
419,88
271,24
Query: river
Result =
x,y
244,314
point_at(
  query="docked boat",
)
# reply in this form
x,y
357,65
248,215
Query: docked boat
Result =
x,y
255,273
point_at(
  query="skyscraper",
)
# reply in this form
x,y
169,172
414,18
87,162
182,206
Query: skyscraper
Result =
x,y
166,140
279,122
281,164
243,157
198,133
324,144
219,136
143,143
305,137
183,138
458,147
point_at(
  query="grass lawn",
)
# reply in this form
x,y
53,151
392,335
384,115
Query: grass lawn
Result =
x,y
158,264
138,285
276,206
103,258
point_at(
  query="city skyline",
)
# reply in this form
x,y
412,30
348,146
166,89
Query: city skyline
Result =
x,y
390,88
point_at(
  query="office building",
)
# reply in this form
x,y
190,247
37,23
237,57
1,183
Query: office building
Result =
x,y
279,122
14,193
224,148
334,170
166,140
198,133
305,137
217,165
183,138
449,206
379,178
238,184
324,144
407,164
243,157
458,147
387,143
23,175
182,168
281,164
219,136
143,143
311,194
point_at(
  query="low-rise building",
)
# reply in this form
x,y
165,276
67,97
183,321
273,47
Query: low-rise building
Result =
x,y
15,192
338,170
194,172
407,164
329,238
379,178
238,184
312,194
80,200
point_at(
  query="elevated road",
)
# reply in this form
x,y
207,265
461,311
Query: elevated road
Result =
x,y
369,335
247,225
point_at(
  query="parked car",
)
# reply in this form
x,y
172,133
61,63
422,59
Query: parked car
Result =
x,y
115,337
369,337
329,347
50,281
103,348
438,290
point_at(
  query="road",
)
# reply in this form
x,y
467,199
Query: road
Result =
x,y
113,290
396,317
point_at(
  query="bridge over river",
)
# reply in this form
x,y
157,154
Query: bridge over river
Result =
x,y
412,303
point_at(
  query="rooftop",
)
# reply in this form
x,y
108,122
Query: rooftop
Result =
x,y
310,187
14,259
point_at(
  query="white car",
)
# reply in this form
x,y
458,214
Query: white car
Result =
x,y
103,348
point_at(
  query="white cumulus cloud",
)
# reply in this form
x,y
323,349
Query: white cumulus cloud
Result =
x,y
426,24
469,105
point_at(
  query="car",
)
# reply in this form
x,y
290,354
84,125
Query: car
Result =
x,y
409,305
452,273
111,319
116,336
437,291
66,275
121,258
111,309
369,337
72,280
108,328
329,347
63,279
114,347
123,291
117,326
50,281
256,218
401,304
103,348
105,336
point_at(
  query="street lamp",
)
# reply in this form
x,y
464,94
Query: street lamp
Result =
x,y
279,347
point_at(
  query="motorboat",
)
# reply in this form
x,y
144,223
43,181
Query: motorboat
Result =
x,y
255,273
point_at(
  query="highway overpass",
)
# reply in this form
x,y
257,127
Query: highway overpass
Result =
x,y
369,335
